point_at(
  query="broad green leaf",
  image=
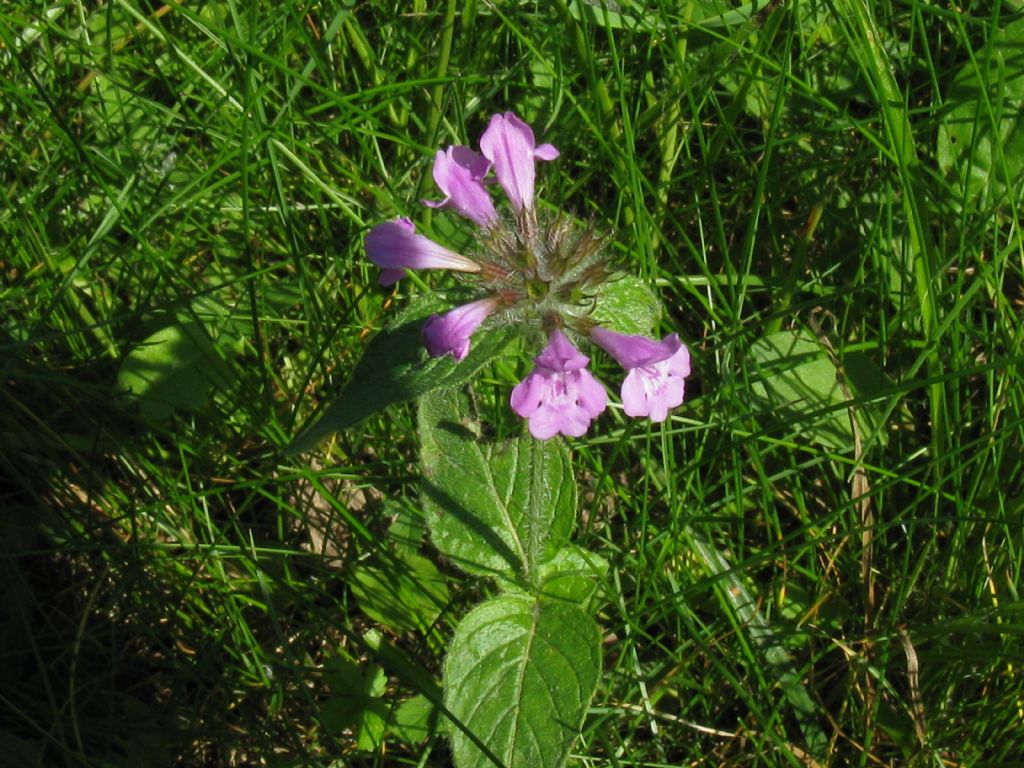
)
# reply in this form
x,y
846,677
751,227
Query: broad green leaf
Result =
x,y
794,378
403,591
229,319
626,304
703,15
373,725
342,711
496,509
519,675
409,529
408,670
175,367
396,368
414,720
572,574
227,327
981,140
355,701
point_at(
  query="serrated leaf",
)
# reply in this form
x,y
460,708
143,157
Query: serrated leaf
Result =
x,y
340,712
396,368
520,675
343,674
495,509
355,690
404,591
981,140
572,574
400,664
414,720
626,304
372,725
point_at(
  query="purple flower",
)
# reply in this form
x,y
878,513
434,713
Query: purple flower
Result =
x,y
459,173
394,246
448,334
560,395
509,144
656,371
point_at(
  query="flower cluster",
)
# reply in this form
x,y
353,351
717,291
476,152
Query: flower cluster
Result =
x,y
531,272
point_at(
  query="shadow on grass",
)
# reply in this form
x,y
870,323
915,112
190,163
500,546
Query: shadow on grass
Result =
x,y
119,642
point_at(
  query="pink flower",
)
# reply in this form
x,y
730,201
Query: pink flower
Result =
x,y
560,395
509,144
448,334
394,246
459,173
656,371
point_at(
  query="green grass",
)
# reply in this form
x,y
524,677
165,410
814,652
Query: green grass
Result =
x,y
176,592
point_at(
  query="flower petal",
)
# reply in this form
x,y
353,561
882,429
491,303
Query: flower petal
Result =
x,y
656,371
560,354
509,144
546,422
559,399
635,351
394,246
528,395
448,334
590,395
652,391
459,173
574,422
679,363
546,152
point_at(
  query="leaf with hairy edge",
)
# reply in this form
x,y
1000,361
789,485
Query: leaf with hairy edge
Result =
x,y
572,574
496,509
626,304
396,368
519,676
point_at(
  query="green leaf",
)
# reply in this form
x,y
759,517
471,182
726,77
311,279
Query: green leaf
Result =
x,y
340,712
704,15
408,530
345,675
496,509
396,368
572,574
981,140
356,689
373,724
626,304
173,368
795,379
519,675
408,670
414,720
404,591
